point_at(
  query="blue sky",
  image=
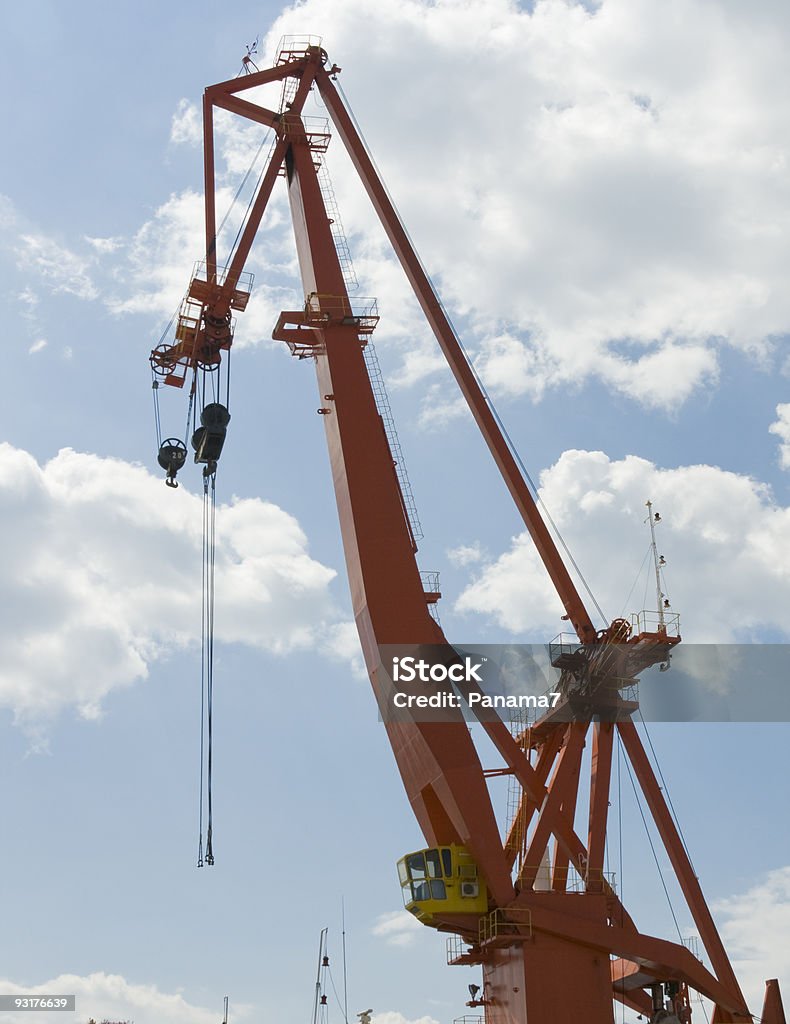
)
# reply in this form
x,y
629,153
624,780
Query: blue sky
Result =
x,y
602,201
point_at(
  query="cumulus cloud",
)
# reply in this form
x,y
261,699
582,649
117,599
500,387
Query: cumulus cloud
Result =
x,y
101,577
63,269
598,196
466,554
782,430
722,534
103,996
755,925
57,267
397,928
186,126
395,1017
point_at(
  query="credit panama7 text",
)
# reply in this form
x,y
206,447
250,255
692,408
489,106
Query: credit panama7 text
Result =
x,y
453,700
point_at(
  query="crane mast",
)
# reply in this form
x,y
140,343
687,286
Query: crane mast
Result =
x,y
549,953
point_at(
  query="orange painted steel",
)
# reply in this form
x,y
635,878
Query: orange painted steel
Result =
x,y
550,955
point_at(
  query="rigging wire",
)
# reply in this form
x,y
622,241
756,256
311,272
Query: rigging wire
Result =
x,y
210,655
337,996
207,668
513,450
636,580
345,972
157,420
190,408
620,840
253,193
665,789
653,850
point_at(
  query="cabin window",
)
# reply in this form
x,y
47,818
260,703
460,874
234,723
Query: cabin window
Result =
x,y
421,891
433,863
447,861
416,865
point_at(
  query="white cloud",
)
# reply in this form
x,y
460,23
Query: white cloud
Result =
x,y
101,577
65,270
755,927
104,246
466,554
186,126
29,301
161,256
103,996
397,928
782,430
723,536
37,346
394,1017
56,267
601,196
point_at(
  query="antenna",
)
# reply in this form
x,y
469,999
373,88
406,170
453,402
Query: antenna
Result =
x,y
654,518
225,1014
323,960
345,976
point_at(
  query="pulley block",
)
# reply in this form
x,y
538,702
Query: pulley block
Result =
x,y
209,437
171,457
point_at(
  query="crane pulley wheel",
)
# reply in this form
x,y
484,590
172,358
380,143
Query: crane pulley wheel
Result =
x,y
172,456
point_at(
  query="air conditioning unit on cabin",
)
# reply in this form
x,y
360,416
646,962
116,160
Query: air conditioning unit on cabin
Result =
x,y
470,890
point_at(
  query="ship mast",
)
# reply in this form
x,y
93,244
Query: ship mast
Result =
x,y
658,561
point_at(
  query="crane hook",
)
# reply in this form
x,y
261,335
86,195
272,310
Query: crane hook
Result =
x,y
171,457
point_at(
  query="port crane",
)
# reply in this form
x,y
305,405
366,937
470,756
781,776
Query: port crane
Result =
x,y
535,909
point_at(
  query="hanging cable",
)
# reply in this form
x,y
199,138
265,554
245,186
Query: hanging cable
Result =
x,y
200,860
653,851
636,580
207,667
620,827
665,789
210,486
157,420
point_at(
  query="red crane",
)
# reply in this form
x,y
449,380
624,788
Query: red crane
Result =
x,y
536,909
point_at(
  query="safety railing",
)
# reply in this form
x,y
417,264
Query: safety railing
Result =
x,y
502,926
361,313
565,651
458,949
565,878
656,623
314,131
293,47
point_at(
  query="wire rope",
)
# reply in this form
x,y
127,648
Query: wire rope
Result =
x,y
653,851
665,789
157,420
636,580
200,861
620,849
337,997
513,450
210,484
207,669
